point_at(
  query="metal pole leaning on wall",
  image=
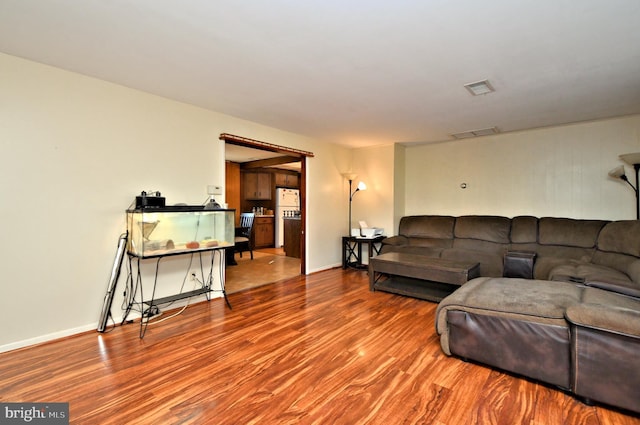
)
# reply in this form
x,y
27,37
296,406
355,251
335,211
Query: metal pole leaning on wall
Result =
x,y
113,280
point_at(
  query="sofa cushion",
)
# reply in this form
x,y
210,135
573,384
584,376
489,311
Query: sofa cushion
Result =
x,y
621,236
606,310
430,242
621,262
602,297
431,252
427,226
621,286
480,245
586,271
569,232
597,276
626,264
609,318
550,257
517,297
564,253
486,228
524,229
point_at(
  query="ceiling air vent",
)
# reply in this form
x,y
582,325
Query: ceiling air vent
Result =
x,y
479,87
476,133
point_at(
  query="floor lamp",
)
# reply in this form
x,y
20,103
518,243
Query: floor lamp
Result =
x,y
618,172
361,186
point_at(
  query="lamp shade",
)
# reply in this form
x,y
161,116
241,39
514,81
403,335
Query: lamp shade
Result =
x,y
617,172
362,186
631,158
349,176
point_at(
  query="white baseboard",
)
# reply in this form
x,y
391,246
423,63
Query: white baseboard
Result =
x,y
321,269
46,338
93,326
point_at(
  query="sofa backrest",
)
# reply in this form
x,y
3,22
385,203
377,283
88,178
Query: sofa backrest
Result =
x,y
482,233
427,226
483,227
619,247
622,237
524,229
427,231
569,232
563,239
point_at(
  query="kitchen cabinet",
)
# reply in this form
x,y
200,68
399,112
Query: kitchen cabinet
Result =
x,y
256,186
287,180
292,231
264,236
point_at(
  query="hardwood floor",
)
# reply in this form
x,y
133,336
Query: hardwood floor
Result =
x,y
319,349
269,265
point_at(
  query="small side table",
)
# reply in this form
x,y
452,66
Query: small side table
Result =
x,y
352,250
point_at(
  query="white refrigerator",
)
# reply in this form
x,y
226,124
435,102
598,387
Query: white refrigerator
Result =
x,y
287,202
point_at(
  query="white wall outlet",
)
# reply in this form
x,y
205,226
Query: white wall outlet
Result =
x,y
213,189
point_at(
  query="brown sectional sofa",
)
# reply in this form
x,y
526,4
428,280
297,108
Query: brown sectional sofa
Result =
x,y
574,324
606,254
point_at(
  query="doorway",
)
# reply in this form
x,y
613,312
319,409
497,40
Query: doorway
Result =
x,y
285,169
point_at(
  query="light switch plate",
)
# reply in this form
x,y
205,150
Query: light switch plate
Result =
x,y
213,189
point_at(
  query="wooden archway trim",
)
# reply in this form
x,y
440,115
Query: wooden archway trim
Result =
x,y
252,143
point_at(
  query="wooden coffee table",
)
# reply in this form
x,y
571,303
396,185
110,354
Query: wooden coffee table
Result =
x,y
419,276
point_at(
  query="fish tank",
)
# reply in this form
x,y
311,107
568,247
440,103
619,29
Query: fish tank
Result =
x,y
158,231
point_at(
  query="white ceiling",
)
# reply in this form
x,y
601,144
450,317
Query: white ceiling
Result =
x,y
354,72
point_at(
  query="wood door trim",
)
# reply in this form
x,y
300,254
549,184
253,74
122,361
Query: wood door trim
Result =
x,y
302,157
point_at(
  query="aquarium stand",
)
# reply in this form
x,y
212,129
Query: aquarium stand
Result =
x,y
151,307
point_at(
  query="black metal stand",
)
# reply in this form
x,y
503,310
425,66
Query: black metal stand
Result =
x,y
150,307
352,250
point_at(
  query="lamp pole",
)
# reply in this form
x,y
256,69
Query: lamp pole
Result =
x,y
350,177
361,186
635,188
350,199
637,168
632,159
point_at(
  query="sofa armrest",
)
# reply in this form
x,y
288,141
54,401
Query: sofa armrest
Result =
x,y
607,318
396,240
633,270
605,340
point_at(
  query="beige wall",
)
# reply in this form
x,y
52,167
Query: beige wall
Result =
x,y
399,186
375,167
558,171
75,152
